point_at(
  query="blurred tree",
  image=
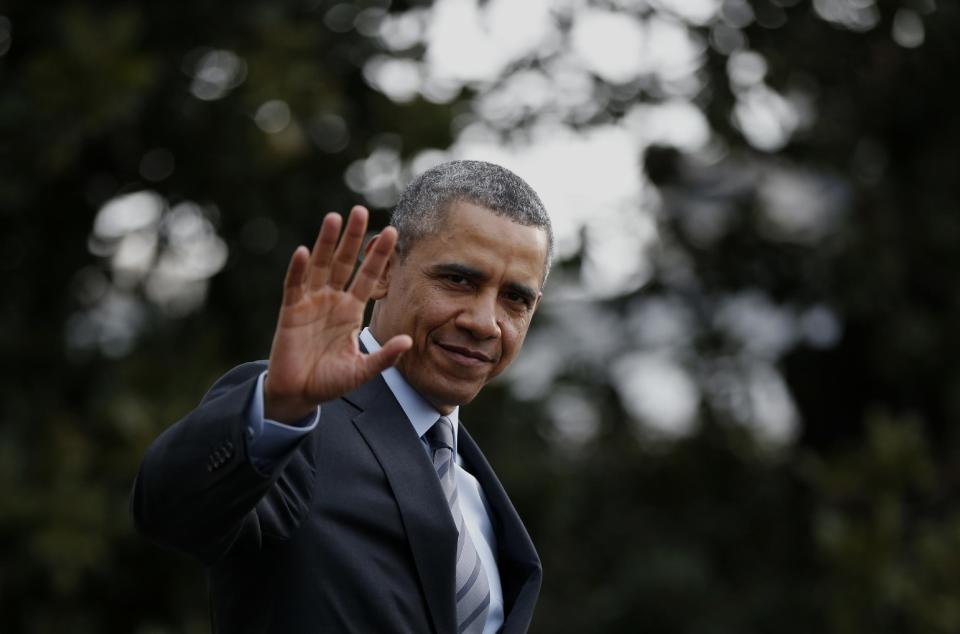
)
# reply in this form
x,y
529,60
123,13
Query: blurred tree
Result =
x,y
888,534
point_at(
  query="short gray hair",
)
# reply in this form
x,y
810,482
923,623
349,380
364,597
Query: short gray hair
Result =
x,y
423,205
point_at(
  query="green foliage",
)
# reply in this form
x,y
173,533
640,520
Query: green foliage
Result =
x,y
887,535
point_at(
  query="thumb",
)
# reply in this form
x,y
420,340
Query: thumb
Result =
x,y
388,355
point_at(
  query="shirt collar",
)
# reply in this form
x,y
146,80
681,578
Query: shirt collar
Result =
x,y
421,414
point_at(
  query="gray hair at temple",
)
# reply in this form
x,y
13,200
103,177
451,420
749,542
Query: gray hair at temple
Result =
x,y
423,205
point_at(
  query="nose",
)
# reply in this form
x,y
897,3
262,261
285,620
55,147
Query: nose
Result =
x,y
479,317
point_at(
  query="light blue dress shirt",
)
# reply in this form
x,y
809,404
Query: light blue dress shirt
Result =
x,y
269,441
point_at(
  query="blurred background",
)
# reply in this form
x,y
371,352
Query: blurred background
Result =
x,y
735,409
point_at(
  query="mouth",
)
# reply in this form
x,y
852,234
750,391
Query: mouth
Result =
x,y
466,356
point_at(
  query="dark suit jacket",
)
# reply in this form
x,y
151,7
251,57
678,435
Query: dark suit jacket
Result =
x,y
351,533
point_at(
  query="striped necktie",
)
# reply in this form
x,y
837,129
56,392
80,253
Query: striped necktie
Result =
x,y
473,589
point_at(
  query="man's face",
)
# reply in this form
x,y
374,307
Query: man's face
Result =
x,y
466,295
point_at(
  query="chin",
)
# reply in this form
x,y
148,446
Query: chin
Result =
x,y
453,398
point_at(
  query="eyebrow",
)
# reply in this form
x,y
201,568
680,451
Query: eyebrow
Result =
x,y
456,268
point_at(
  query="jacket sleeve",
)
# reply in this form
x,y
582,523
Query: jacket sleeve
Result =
x,y
197,490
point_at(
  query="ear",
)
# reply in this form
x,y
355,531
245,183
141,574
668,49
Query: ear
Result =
x,y
383,283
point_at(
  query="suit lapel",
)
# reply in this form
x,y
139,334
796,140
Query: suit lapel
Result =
x,y
520,570
429,526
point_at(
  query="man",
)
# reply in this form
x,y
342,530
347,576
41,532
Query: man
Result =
x,y
335,489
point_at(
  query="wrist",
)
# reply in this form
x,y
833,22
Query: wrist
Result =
x,y
286,409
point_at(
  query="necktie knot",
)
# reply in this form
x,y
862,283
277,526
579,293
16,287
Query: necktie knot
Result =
x,y
440,436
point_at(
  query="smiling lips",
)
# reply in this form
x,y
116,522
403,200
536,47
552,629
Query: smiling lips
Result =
x,y
469,353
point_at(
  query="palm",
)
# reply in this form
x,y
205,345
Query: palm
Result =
x,y
315,356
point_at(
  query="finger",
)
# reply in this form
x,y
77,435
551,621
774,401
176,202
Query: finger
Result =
x,y
323,250
374,264
293,281
388,355
346,256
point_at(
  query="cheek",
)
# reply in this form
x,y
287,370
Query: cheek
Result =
x,y
513,332
431,311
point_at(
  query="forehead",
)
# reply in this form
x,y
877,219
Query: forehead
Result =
x,y
478,235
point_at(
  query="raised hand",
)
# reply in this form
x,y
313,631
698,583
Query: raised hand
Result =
x,y
315,355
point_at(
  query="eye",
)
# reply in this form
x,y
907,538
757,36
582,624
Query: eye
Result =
x,y
516,298
458,281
